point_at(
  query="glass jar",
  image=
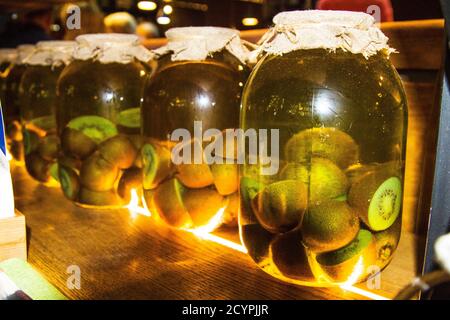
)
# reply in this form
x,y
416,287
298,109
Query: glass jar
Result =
x,y
11,104
196,87
37,96
98,119
331,213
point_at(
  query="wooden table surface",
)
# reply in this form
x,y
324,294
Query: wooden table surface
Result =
x,y
125,257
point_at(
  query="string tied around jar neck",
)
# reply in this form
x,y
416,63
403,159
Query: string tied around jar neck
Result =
x,y
354,32
51,53
198,43
111,48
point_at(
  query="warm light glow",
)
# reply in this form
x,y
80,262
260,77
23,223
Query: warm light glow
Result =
x,y
348,285
134,207
147,5
218,240
212,224
250,21
167,9
363,292
163,20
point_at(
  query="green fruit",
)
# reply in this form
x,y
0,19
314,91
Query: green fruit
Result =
x,y
97,128
386,243
131,179
45,123
30,141
76,144
70,183
37,167
119,151
329,225
257,241
49,147
225,178
97,174
351,260
130,118
157,165
68,162
54,171
202,205
168,203
195,175
329,143
325,179
281,205
356,171
290,257
103,198
249,188
377,198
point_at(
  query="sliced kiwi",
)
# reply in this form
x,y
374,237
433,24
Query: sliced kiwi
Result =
x,y
377,198
325,179
69,181
76,144
257,241
195,175
168,203
97,174
45,123
130,179
329,225
118,150
103,198
351,260
38,167
386,243
30,141
49,147
130,118
157,165
249,188
230,218
290,257
225,177
202,204
97,128
281,205
330,143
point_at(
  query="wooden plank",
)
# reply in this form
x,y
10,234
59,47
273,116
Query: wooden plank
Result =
x,y
13,240
135,258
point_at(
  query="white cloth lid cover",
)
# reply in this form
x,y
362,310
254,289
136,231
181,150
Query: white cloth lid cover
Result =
x,y
197,43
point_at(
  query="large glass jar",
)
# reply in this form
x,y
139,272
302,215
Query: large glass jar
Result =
x,y
98,117
331,213
11,104
196,87
7,58
37,96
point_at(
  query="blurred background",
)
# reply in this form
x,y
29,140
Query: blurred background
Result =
x,y
31,21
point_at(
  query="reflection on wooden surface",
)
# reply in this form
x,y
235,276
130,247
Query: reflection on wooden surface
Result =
x,y
121,257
